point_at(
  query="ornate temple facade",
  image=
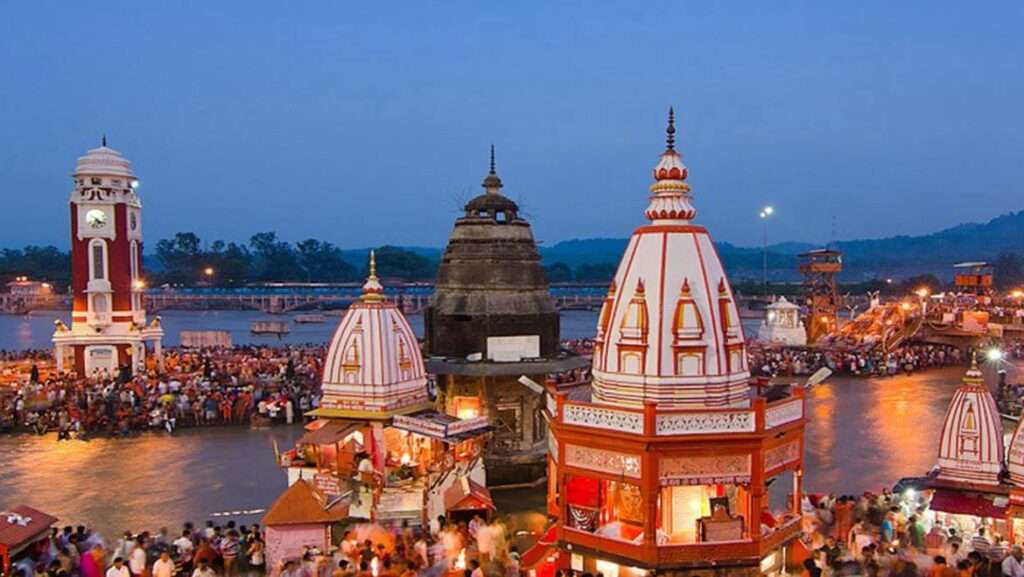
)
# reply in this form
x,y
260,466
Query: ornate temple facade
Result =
x,y
108,321
491,321
378,450
666,466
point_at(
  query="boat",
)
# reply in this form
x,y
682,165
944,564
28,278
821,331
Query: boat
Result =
x,y
309,318
269,328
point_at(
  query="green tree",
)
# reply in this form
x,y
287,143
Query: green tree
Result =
x,y
559,272
601,272
398,262
275,260
323,262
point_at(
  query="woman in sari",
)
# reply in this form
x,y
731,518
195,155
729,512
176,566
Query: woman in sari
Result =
x,y
94,562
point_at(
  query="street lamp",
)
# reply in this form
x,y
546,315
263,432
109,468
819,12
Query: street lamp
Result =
x,y
765,213
208,271
923,293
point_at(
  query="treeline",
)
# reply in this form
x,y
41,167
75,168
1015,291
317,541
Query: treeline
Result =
x,y
42,263
183,260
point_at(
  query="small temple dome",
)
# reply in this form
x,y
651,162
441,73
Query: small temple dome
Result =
x,y
971,445
669,331
373,367
1015,456
104,161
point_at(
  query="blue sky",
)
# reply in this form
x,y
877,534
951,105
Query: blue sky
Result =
x,y
368,123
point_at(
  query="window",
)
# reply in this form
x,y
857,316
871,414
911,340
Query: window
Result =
x,y
97,181
98,258
134,261
99,304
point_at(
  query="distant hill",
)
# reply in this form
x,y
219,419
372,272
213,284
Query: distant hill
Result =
x,y
897,256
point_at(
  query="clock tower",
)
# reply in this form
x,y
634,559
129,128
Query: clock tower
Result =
x,y
108,320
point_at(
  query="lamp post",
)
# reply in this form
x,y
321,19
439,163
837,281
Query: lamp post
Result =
x,y
765,213
923,294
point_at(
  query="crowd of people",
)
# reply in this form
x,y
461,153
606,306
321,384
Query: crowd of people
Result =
x,y
794,362
896,536
213,386
474,547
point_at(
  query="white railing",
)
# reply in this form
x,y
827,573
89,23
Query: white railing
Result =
x,y
782,413
595,417
705,423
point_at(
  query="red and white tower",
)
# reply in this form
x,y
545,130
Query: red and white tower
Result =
x,y
108,320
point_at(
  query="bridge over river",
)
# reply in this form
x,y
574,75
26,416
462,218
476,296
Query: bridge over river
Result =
x,y
412,299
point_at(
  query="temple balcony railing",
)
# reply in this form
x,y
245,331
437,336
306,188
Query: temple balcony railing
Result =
x,y
650,421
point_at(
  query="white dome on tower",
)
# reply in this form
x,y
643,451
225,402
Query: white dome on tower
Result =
x,y
104,161
669,331
373,367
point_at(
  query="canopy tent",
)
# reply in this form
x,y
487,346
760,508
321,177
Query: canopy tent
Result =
x,y
974,504
328,432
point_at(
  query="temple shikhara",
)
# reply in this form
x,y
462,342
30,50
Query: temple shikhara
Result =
x,y
666,467
377,450
491,321
108,329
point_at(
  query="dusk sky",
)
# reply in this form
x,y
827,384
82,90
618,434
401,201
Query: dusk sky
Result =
x,y
367,123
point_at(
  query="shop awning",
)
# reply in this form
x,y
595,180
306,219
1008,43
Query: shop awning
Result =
x,y
973,504
329,432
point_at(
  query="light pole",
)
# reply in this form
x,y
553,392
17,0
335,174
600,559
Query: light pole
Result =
x,y
765,213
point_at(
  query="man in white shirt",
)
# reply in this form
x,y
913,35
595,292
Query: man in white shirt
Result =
x,y
1013,566
118,569
203,570
184,544
137,563
163,567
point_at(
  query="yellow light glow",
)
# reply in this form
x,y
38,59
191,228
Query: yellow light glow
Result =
x,y
1017,294
905,306
139,284
923,292
208,271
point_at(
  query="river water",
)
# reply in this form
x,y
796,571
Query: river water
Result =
x,y
863,434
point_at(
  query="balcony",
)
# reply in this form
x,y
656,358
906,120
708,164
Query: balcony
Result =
x,y
649,421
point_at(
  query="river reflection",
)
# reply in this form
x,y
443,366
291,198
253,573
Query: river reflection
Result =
x,y
865,434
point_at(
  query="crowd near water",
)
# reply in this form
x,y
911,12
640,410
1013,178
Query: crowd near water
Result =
x,y
474,547
793,362
219,386
889,534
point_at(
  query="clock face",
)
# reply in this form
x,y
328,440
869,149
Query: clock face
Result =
x,y
96,218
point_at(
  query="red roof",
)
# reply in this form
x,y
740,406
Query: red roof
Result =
x,y
467,495
13,534
303,503
966,504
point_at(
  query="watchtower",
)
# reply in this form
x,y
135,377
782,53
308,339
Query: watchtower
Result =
x,y
821,292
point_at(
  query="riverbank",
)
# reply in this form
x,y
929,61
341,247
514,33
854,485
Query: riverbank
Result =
x,y
863,434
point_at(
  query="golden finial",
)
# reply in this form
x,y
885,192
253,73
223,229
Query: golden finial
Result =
x,y
372,289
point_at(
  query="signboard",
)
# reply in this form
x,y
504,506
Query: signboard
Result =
x,y
100,358
328,484
465,425
422,426
513,349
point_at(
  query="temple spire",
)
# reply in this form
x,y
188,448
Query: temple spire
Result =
x,y
491,182
372,289
670,132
